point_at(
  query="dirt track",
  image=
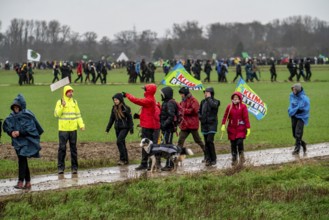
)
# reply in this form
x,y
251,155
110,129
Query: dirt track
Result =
x,y
90,150
114,174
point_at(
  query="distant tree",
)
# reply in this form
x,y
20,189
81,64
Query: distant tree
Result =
x,y
239,49
1,35
126,41
90,43
187,35
105,46
145,43
169,52
297,35
157,53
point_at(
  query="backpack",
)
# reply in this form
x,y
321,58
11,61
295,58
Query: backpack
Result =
x,y
178,114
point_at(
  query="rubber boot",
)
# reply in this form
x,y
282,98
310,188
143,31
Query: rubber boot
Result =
x,y
27,185
169,166
242,158
19,185
304,147
296,150
234,159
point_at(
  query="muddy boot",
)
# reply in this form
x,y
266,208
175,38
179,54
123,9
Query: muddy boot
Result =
x,y
141,167
234,160
304,147
242,158
169,166
27,185
19,185
296,150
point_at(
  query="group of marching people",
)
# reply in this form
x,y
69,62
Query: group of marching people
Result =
x,y
25,73
158,121
142,70
93,71
297,69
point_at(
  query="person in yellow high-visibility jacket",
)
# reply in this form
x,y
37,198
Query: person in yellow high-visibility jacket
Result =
x,y
69,120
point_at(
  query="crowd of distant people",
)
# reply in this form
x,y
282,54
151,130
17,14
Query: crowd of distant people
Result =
x,y
96,71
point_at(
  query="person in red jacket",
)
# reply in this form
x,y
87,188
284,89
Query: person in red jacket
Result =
x,y
238,128
148,119
190,122
79,72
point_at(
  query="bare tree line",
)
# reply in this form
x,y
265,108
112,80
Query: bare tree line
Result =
x,y
296,36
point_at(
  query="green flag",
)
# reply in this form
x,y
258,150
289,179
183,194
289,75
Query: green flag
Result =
x,y
180,77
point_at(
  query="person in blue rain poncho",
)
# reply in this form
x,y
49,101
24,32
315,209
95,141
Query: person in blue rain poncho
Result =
x,y
299,112
24,130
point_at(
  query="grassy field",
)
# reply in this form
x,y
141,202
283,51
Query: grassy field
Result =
x,y
95,103
291,191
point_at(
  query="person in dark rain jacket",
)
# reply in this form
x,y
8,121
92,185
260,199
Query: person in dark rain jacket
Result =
x,y
167,115
24,130
123,123
209,120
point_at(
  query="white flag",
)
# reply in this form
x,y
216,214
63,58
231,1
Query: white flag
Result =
x,y
33,56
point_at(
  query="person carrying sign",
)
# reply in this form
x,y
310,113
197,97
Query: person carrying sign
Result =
x,y
69,120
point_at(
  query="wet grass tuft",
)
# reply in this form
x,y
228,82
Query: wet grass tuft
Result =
x,y
297,190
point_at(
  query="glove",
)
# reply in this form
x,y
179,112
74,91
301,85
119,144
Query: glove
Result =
x,y
223,129
248,132
136,116
131,130
124,94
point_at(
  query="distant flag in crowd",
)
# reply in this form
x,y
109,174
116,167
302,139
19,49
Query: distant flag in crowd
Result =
x,y
284,60
33,56
245,55
237,60
214,56
254,103
325,59
180,77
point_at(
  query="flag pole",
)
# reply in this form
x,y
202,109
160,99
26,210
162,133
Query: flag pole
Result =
x,y
221,137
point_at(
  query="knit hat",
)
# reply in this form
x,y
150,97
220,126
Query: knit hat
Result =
x,y
297,86
184,90
118,96
211,90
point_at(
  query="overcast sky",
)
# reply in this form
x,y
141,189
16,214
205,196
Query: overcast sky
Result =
x,y
108,17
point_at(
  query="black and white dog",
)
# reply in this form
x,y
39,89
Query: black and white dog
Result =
x,y
169,151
